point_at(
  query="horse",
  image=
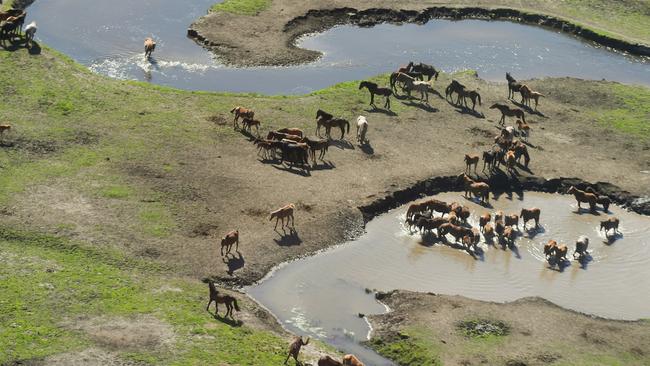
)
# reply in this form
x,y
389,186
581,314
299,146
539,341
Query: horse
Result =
x,y
601,200
279,136
285,212
513,85
362,129
4,128
294,349
428,224
399,77
478,189
416,208
351,360
508,236
530,214
407,68
521,150
458,232
415,220
241,112
228,300
527,94
427,70
7,29
507,111
292,131
328,361
473,95
581,247
610,224
489,158
469,161
484,220
511,220
228,241
265,146
336,122
524,129
317,145
149,47
582,196
549,248
373,88
454,87
248,123
437,206
560,253
30,31
294,153
510,160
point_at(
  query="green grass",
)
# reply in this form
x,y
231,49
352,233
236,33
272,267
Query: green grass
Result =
x,y
633,115
242,7
407,348
47,282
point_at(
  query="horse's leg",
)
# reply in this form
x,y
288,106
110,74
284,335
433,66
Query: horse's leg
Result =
x,y
276,223
372,98
342,131
228,310
207,308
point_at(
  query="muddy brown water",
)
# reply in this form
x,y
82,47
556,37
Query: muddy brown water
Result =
x,y
323,295
107,37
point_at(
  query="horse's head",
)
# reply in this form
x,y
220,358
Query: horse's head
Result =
x,y
361,85
495,105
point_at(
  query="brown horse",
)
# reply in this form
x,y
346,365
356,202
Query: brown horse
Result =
x,y
527,94
610,224
480,190
469,161
149,47
425,224
473,95
510,160
560,253
285,212
582,196
524,129
241,112
458,232
232,238
294,349
328,361
511,220
248,123
601,200
488,231
509,236
530,214
437,206
317,145
279,136
484,220
351,360
228,300
509,112
292,131
549,248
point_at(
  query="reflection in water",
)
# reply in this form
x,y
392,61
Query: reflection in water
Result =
x,y
326,292
108,36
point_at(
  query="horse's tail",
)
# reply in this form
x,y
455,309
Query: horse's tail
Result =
x,y
348,125
234,303
479,98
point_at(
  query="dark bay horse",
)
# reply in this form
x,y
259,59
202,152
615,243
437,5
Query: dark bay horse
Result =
x,y
507,111
230,301
454,87
373,88
513,85
427,70
328,121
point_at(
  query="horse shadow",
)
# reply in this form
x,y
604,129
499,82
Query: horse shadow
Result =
x,y
248,135
342,144
367,149
611,239
326,165
581,211
303,172
561,265
584,260
524,168
387,112
288,240
35,49
229,321
429,240
527,108
422,106
468,111
234,263
532,233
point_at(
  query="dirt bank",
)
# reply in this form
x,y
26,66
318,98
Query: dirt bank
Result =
x,y
429,329
269,37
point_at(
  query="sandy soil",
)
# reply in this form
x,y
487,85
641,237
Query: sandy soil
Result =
x,y
268,38
540,333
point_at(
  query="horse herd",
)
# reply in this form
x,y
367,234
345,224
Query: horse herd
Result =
x,y
505,228
11,25
290,144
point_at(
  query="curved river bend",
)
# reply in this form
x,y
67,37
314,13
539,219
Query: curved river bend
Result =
x,y
323,295
107,36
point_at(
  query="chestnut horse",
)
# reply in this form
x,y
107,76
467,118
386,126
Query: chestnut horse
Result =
x,y
232,238
328,361
469,161
294,349
241,112
530,214
610,224
282,213
582,196
351,360
292,131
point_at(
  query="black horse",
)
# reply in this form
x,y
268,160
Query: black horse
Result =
x,y
427,70
513,85
373,88
454,87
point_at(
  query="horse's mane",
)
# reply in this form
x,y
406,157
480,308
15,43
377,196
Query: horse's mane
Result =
x,y
322,113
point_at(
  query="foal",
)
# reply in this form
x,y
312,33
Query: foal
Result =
x,y
469,161
232,238
281,214
241,112
228,300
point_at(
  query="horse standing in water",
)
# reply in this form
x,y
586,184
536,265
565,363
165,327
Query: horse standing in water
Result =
x,y
149,47
373,88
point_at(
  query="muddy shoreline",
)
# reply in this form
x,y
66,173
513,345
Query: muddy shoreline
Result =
x,y
285,52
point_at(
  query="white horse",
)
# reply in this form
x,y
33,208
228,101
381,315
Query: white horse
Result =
x,y
362,129
30,31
